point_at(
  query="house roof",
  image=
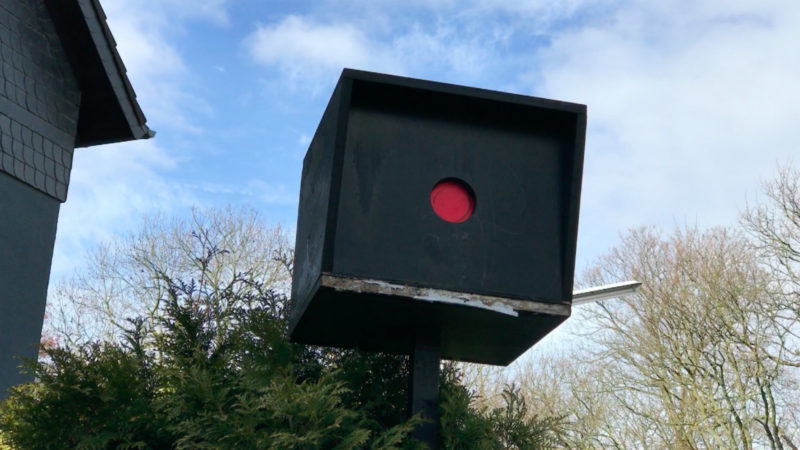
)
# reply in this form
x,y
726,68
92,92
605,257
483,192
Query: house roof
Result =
x,y
109,111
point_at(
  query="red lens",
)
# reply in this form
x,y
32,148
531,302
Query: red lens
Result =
x,y
453,200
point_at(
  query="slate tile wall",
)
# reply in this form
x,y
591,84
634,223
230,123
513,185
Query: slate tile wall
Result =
x,y
39,99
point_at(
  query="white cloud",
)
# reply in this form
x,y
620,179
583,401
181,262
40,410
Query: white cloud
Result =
x,y
144,33
212,10
691,105
295,41
271,194
442,46
476,42
254,191
305,50
169,13
113,186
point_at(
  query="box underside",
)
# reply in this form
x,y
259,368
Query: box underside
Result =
x,y
376,315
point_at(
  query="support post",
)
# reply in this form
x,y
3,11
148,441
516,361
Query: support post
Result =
x,y
424,387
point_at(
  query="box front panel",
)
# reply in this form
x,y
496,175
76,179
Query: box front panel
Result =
x,y
401,142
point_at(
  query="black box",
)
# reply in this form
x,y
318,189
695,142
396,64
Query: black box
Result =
x,y
372,256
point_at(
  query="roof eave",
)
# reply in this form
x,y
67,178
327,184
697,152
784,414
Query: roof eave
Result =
x,y
109,110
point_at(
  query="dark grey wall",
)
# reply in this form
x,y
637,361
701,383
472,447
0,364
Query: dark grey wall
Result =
x,y
27,235
39,99
39,105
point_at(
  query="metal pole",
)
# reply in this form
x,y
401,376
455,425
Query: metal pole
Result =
x,y
424,389
595,294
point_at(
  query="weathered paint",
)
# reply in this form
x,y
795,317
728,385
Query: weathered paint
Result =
x,y
499,305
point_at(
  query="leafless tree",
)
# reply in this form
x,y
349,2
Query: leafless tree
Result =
x,y
775,228
122,278
707,355
689,355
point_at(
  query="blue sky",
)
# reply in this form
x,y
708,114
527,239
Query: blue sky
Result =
x,y
692,104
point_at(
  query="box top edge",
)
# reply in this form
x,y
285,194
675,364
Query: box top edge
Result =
x,y
468,91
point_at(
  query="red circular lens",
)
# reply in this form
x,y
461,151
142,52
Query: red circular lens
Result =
x,y
453,200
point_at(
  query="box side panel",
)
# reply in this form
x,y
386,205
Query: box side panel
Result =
x,y
313,210
573,172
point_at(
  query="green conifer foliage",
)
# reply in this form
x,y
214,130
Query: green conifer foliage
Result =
x,y
217,371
